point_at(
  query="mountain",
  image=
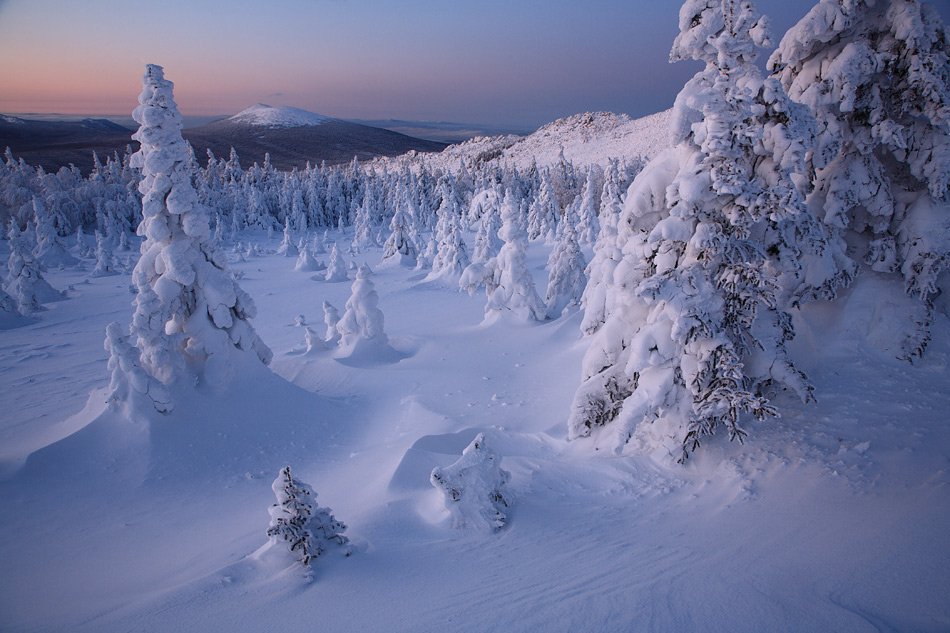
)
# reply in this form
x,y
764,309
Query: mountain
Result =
x,y
54,144
293,137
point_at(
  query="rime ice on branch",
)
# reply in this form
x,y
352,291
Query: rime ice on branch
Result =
x,y
190,315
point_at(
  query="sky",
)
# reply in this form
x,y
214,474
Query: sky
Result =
x,y
518,63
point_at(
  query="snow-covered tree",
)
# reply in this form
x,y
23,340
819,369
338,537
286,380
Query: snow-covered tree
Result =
x,y
876,74
25,282
331,317
49,252
400,246
588,226
190,315
105,259
336,269
607,254
474,487
566,276
128,380
544,211
362,319
511,289
451,258
296,520
287,248
305,259
697,327
487,242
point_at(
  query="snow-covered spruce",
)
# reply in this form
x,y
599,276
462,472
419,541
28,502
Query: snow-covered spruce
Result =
x,y
566,264
190,315
712,234
509,285
474,487
297,522
875,73
362,320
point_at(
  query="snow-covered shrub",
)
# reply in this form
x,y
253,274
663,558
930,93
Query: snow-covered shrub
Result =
x,y
714,234
474,487
296,520
876,74
190,315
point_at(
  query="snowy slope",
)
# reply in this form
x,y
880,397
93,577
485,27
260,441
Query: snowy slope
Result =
x,y
263,115
833,518
585,139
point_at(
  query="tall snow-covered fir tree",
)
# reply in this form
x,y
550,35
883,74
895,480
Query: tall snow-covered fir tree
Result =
x,y
876,74
712,232
190,316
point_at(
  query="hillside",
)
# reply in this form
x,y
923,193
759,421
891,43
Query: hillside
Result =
x,y
55,144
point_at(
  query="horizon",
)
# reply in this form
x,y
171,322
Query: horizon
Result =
x,y
495,64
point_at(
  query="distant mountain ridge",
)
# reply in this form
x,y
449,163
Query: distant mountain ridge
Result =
x,y
293,137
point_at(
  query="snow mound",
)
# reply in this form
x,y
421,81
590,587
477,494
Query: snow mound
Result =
x,y
263,115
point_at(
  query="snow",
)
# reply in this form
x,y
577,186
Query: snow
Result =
x,y
586,139
263,115
833,517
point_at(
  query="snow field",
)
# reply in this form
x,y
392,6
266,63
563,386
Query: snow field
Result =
x,y
830,518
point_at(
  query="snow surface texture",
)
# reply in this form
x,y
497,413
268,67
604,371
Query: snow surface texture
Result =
x,y
263,115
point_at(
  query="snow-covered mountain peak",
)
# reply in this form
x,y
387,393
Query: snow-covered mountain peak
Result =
x,y
264,115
